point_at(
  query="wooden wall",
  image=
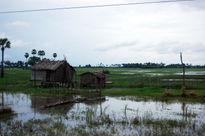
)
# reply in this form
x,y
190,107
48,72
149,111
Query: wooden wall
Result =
x,y
38,75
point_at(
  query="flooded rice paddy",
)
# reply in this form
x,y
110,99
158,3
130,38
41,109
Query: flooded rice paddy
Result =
x,y
156,72
115,116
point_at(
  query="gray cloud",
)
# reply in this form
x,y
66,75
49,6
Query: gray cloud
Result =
x,y
155,32
18,24
172,47
198,4
18,43
116,46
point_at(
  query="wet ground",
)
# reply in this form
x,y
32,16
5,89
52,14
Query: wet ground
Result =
x,y
116,109
154,72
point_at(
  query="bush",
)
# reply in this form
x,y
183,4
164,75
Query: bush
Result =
x,y
106,71
168,94
191,94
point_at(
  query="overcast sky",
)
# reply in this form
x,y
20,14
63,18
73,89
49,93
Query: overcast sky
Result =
x,y
134,34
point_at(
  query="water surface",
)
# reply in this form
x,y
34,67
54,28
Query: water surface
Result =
x,y
28,107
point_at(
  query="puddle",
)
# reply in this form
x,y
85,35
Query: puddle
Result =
x,y
192,73
28,107
158,73
132,72
127,73
155,74
182,80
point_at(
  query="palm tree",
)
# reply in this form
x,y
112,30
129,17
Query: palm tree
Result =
x,y
41,53
54,55
33,52
26,56
4,43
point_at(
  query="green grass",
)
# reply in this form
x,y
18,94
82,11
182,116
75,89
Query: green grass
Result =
x,y
90,122
139,83
133,92
156,94
136,78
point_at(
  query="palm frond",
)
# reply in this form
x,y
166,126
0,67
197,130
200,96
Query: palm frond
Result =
x,y
8,44
3,41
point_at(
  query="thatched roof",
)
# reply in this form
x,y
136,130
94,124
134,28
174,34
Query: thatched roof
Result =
x,y
49,65
95,73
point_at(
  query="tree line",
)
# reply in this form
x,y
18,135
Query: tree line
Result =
x,y
5,43
144,65
35,59
32,60
159,65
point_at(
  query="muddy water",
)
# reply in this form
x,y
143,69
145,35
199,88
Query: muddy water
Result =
x,y
28,107
192,73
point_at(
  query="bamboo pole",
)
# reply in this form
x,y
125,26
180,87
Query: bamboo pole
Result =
x,y
183,69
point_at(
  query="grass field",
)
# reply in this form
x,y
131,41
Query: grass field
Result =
x,y
138,78
125,81
153,98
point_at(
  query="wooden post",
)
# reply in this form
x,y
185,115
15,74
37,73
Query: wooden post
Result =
x,y
2,95
183,68
34,78
100,107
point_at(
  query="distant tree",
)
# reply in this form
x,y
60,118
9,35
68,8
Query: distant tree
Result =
x,y
44,59
101,65
8,63
26,56
88,66
41,53
161,65
4,43
33,52
13,64
20,64
54,55
116,65
33,60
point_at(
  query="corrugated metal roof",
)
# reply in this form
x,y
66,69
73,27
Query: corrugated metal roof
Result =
x,y
48,65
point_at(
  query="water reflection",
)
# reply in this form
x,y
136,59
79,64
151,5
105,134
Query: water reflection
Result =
x,y
37,103
28,107
2,98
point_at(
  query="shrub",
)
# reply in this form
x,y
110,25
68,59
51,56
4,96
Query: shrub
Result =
x,y
106,71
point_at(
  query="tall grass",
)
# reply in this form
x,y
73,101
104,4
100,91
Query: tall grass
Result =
x,y
103,124
139,83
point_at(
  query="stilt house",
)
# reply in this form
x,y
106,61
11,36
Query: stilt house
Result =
x,y
52,71
92,79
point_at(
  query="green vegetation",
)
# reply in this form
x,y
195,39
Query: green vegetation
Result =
x,y
93,123
4,43
54,55
125,82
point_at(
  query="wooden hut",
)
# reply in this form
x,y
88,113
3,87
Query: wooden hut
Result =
x,y
92,79
53,71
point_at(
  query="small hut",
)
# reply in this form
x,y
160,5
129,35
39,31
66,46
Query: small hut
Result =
x,y
53,72
92,79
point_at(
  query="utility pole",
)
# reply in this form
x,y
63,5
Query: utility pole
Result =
x,y
183,68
